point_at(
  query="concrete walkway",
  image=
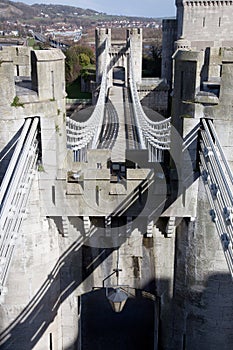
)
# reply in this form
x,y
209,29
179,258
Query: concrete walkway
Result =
x,y
118,150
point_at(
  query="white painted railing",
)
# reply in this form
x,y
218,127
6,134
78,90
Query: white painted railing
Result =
x,y
14,193
154,136
85,135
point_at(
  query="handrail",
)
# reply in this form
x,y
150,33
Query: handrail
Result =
x,y
217,178
154,135
84,135
13,160
15,197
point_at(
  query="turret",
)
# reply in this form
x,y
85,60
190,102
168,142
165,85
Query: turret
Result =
x,y
101,34
135,36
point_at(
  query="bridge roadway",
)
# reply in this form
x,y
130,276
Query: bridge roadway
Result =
x,y
118,150
118,132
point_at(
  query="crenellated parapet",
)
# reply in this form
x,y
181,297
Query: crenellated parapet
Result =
x,y
32,83
199,25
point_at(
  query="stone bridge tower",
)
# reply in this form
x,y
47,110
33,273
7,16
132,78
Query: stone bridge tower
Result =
x,y
119,54
101,34
205,23
198,25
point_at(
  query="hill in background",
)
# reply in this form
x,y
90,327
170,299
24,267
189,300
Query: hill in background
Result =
x,y
20,11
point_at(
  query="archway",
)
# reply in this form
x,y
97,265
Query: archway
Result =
x,y
119,76
134,328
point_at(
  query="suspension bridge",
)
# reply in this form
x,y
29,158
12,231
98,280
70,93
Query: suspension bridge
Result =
x,y
142,133
117,123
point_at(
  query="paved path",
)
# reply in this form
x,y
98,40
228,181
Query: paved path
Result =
x,y
118,150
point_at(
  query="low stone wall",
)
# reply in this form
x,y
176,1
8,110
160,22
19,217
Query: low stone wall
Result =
x,y
153,93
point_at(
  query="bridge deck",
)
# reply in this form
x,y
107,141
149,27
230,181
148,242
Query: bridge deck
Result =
x,y
118,131
118,150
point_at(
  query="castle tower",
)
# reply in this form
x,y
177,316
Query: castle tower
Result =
x,y
169,37
194,99
101,34
198,25
205,23
118,53
135,36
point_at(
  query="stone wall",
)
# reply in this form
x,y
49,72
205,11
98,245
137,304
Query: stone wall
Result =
x,y
198,25
28,306
202,281
154,93
169,37
210,18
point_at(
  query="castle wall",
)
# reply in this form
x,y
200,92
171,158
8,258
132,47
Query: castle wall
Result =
x,y
202,287
212,19
31,305
169,37
202,281
153,93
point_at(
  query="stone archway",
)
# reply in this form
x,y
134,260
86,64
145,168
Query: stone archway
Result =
x,y
118,75
134,328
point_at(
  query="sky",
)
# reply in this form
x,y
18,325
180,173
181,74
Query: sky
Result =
x,y
142,8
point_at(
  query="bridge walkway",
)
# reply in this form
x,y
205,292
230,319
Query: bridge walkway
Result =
x,y
116,98
119,131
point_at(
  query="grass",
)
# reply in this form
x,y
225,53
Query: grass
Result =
x,y
31,42
16,102
74,90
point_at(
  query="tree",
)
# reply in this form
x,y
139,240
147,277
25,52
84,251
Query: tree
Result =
x,y
72,65
151,61
84,59
77,58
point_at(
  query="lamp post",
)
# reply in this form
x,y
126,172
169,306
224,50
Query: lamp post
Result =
x,y
117,296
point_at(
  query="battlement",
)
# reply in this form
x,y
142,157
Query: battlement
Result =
x,y
198,25
132,32
23,73
205,3
32,83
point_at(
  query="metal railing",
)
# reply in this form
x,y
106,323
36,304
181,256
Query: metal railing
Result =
x,y
154,136
14,193
82,136
218,180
